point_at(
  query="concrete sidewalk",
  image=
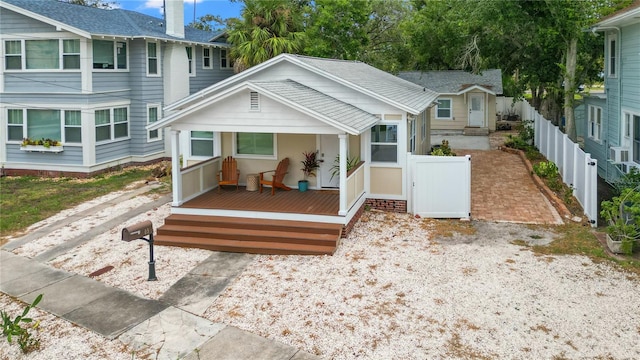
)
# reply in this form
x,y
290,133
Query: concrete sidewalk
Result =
x,y
167,326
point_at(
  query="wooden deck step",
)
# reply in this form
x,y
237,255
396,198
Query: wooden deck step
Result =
x,y
259,236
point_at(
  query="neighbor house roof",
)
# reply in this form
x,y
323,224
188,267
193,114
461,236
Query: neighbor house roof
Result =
x,y
354,74
456,81
89,21
622,17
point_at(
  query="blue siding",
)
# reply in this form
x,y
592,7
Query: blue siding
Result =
x,y
630,68
50,82
14,23
72,155
207,77
597,149
112,151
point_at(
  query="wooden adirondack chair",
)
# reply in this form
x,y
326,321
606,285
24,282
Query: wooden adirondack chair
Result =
x,y
277,178
229,174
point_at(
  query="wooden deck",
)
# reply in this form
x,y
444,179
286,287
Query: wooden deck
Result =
x,y
312,202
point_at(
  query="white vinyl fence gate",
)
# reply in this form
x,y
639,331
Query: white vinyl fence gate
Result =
x,y
439,186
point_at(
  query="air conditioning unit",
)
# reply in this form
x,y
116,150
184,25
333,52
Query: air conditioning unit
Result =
x,y
618,155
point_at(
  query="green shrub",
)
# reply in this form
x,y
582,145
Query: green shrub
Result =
x,y
630,180
546,169
443,150
11,328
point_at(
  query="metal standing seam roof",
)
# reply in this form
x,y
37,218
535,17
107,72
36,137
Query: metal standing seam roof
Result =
x,y
339,112
114,22
385,85
455,81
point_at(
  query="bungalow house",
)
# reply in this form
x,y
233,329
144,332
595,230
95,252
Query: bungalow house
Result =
x,y
92,79
346,111
612,131
466,101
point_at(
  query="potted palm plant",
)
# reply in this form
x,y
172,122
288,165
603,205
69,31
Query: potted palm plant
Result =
x,y
309,166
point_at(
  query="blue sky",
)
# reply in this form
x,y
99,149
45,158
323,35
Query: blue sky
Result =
x,y
223,8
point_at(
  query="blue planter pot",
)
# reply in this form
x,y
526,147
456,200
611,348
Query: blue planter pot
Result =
x,y
303,185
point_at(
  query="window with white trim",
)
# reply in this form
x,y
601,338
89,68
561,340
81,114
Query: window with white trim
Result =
x,y
153,113
636,138
153,60
109,55
206,58
384,143
112,124
444,109
201,144
611,56
46,54
595,122
412,135
44,124
259,145
192,69
225,61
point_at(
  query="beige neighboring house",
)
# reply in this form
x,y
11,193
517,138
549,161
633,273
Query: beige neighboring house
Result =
x,y
281,108
466,101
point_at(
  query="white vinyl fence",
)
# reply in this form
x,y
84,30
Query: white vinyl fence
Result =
x,y
439,186
577,168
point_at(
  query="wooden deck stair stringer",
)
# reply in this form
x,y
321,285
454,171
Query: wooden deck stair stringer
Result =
x,y
258,236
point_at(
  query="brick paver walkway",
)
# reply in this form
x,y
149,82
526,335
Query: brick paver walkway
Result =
x,y
503,190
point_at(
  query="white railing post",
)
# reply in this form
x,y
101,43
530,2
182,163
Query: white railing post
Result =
x,y
343,174
176,176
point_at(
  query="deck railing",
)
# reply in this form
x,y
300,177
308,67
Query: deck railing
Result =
x,y
199,178
355,184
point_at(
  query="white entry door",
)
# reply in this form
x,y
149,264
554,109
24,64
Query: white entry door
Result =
x,y
476,110
329,150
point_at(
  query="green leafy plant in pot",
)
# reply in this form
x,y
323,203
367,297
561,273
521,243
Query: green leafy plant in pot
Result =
x,y
309,166
622,214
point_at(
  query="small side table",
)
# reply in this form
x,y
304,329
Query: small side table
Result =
x,y
253,181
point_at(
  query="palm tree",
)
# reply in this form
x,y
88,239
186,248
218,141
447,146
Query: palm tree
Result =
x,y
267,28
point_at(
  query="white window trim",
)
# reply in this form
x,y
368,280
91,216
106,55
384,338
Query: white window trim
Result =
x,y
210,57
216,147
611,38
226,57
397,123
627,141
112,124
159,115
450,109
158,57
23,56
193,61
115,50
24,124
249,156
590,121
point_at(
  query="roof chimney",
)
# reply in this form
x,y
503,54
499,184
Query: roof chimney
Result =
x,y
174,17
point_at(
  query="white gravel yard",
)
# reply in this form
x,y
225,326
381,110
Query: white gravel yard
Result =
x,y
389,292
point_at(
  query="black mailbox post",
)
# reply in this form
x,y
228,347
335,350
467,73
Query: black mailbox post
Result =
x,y
139,231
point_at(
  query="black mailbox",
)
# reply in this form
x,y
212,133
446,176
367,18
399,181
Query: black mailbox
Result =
x,y
137,231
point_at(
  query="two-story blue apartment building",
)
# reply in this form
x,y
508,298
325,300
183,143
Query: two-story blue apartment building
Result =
x,y
612,134
93,79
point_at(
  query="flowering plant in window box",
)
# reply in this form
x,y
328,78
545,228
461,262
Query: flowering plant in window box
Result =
x,y
42,145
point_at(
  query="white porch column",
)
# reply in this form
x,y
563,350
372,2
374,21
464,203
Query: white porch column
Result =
x,y
176,176
343,174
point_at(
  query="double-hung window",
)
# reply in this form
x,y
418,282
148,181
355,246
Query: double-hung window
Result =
x,y
595,122
206,58
112,124
225,62
109,55
152,59
384,143
13,54
192,69
444,109
202,144
636,138
260,145
70,54
153,113
60,125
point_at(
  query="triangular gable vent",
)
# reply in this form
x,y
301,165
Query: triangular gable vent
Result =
x,y
255,101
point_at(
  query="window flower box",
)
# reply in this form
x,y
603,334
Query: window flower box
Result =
x,y
42,148
42,145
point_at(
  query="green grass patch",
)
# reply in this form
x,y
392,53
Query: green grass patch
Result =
x,y
576,239
25,200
